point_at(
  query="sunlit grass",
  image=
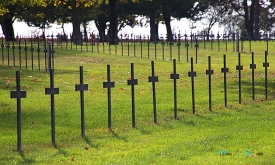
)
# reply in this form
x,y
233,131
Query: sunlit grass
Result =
x,y
192,139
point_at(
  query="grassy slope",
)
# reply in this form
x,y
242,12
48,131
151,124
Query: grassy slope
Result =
x,y
193,139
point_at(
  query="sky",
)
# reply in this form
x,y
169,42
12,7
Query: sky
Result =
x,y
182,26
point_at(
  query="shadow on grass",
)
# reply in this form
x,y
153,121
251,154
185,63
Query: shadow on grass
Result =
x,y
89,142
60,151
25,160
118,137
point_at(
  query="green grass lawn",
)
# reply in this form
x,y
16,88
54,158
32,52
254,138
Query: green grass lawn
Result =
x,y
236,134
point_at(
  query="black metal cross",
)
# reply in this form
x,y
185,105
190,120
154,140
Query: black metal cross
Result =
x,y
38,53
239,67
266,65
175,76
18,94
253,67
197,47
19,50
192,74
209,72
26,54
154,79
2,48
133,82
109,85
187,45
8,47
32,49
81,88
52,91
218,36
224,70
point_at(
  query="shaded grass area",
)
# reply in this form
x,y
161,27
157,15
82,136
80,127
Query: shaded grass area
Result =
x,y
192,139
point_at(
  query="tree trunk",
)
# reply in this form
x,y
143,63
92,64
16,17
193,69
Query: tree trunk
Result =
x,y
113,22
85,32
257,20
251,21
7,28
246,17
153,35
76,36
157,30
101,26
167,19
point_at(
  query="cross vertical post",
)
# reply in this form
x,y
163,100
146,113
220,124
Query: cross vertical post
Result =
x,y
155,42
116,46
239,67
226,43
140,46
175,76
204,40
162,44
52,54
121,44
266,37
13,55
187,45
192,74
18,94
49,57
81,88
52,91
109,85
103,43
128,44
179,44
26,54
224,70
253,67
196,46
8,47
45,55
133,82
19,50
134,46
218,36
266,65
154,79
148,43
2,48
31,49
209,72
170,45
38,52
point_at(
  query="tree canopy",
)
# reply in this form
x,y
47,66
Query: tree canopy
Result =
x,y
257,14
